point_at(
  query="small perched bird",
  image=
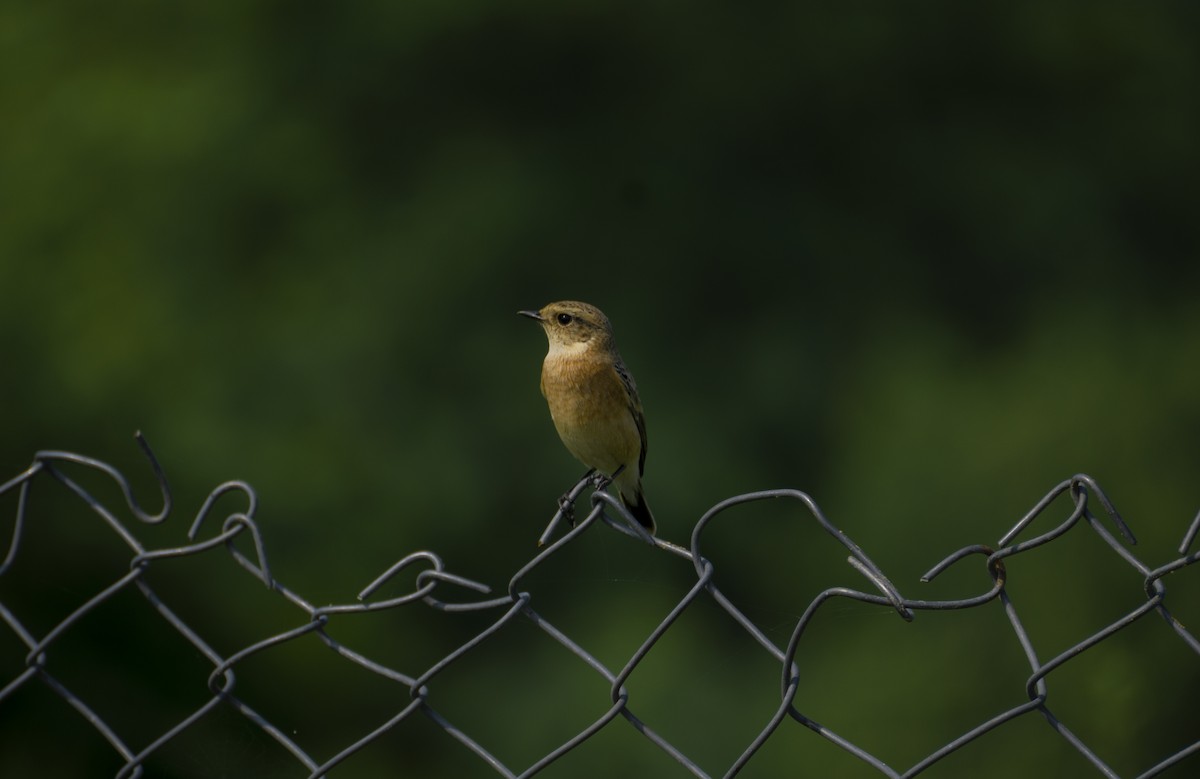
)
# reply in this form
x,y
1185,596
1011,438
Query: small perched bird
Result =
x,y
593,400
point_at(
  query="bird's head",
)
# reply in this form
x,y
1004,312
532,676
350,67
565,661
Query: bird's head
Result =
x,y
572,326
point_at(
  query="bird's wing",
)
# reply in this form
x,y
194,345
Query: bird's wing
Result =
x,y
635,409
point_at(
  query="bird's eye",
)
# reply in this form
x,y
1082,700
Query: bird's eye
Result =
x,y
564,319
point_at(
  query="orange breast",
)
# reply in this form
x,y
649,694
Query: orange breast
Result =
x,y
591,412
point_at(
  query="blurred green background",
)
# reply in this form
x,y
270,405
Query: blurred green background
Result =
x,y
922,261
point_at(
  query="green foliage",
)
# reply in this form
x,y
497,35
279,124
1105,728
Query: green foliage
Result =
x,y
922,262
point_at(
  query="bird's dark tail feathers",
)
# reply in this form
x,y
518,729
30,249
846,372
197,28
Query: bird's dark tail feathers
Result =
x,y
636,503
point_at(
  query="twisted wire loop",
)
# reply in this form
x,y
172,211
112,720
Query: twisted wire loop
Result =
x,y
433,586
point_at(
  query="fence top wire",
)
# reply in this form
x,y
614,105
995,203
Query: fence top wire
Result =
x,y
435,587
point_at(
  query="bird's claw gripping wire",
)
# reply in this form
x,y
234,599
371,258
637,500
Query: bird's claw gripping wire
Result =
x,y
599,482
566,508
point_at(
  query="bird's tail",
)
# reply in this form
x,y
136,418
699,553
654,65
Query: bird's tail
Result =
x,y
636,503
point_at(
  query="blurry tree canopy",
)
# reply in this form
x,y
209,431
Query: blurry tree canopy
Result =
x,y
922,261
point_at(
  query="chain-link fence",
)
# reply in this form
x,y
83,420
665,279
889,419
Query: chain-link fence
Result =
x,y
442,590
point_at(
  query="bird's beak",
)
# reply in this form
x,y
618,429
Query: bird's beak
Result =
x,y
531,314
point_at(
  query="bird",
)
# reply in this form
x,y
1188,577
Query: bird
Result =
x,y
593,399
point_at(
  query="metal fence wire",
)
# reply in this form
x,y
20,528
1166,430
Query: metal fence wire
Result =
x,y
440,589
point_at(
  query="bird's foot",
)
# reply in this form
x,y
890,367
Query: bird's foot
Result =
x,y
566,507
600,481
